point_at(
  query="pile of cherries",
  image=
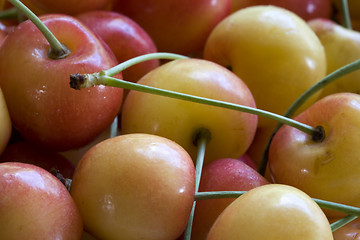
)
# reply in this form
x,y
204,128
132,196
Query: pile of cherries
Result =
x,y
192,119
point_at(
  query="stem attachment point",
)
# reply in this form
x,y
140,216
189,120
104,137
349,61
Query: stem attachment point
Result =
x,y
201,133
318,134
77,80
59,53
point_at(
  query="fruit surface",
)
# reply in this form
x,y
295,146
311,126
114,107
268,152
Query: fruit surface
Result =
x,y
273,51
342,46
35,205
272,211
224,174
125,38
135,186
327,167
176,26
231,131
41,104
142,186
306,9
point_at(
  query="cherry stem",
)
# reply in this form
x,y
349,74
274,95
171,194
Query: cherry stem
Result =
x,y
146,57
218,194
353,212
78,81
192,98
57,50
337,74
351,67
343,221
202,137
345,14
114,127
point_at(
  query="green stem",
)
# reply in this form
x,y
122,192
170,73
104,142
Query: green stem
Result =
x,y
218,194
345,14
341,222
322,203
202,137
124,65
133,86
89,80
114,127
57,50
338,207
11,13
349,68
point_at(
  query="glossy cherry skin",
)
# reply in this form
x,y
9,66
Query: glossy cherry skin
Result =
x,y
125,38
135,186
179,120
248,160
326,167
35,205
273,51
306,9
41,103
272,211
226,174
342,47
176,26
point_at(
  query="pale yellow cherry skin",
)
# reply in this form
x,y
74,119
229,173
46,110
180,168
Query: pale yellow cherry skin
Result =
x,y
273,212
273,51
231,131
5,126
323,169
342,46
135,186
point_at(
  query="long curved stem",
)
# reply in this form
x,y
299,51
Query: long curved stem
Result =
x,y
351,67
322,203
57,50
353,212
303,127
100,79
